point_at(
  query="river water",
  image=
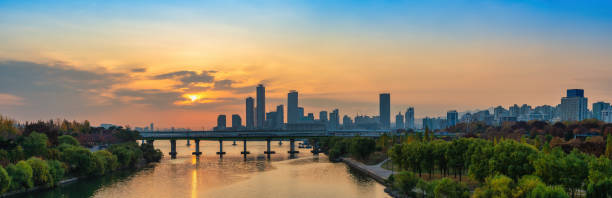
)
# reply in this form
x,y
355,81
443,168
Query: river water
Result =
x,y
209,176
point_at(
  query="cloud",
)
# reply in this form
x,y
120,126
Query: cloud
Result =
x,y
139,70
228,86
188,78
10,100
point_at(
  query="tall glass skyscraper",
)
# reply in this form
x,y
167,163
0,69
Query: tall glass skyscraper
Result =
x,y
292,107
385,110
409,118
261,106
574,106
250,116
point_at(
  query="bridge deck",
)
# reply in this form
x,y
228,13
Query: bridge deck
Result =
x,y
255,134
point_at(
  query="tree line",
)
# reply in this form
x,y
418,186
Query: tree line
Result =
x,y
30,158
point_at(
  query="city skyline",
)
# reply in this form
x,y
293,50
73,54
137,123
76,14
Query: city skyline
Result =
x,y
131,63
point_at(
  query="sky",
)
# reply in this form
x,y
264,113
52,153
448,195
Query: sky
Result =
x,y
182,64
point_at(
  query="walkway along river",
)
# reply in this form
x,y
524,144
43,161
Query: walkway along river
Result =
x,y
231,176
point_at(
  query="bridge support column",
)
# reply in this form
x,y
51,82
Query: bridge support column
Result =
x,y
197,147
315,148
292,147
268,150
221,153
188,144
172,149
245,152
149,142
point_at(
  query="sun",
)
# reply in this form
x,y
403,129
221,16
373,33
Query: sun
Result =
x,y
193,97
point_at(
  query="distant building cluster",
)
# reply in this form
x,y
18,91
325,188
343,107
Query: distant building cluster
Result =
x,y
573,107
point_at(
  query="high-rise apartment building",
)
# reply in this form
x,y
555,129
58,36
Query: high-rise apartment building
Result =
x,y
250,116
399,121
385,110
598,107
261,106
409,116
292,107
236,122
452,117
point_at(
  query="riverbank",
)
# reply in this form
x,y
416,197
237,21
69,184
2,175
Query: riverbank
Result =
x,y
376,172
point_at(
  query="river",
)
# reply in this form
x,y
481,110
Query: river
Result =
x,y
232,176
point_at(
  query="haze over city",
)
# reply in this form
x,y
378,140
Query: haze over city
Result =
x,y
131,63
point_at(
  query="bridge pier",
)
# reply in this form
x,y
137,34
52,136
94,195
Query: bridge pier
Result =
x,y
234,144
197,152
188,144
268,151
149,142
292,147
221,153
245,152
172,149
315,148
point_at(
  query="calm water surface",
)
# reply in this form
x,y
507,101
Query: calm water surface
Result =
x,y
232,176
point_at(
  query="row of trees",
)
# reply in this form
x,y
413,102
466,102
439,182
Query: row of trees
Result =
x,y
34,160
493,161
359,148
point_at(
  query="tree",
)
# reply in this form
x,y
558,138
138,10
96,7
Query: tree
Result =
x,y
512,159
543,191
40,171
35,144
428,161
57,171
150,153
439,154
110,161
5,180
599,169
480,153
21,175
405,182
496,186
526,184
602,188
449,188
79,160
362,147
609,146
548,166
67,139
456,156
574,171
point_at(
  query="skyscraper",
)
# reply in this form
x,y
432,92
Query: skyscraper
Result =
x,y
236,121
385,110
250,116
347,122
301,114
409,116
452,117
221,122
574,106
323,116
261,106
399,121
280,115
292,107
598,107
334,119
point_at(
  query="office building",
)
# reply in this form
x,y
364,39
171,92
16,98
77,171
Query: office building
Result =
x,y
347,122
574,106
385,110
236,122
409,116
323,116
261,106
280,115
250,116
399,121
606,115
221,122
334,119
598,107
452,117
292,107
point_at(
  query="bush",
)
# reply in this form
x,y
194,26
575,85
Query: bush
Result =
x,y
150,153
450,188
542,190
35,144
602,188
110,161
57,171
40,171
21,175
5,180
405,182
67,139
497,186
361,148
80,160
127,154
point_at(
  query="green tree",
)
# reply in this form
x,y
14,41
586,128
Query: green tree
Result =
x,y
5,180
362,147
574,172
599,169
110,161
449,188
543,191
496,186
57,171
609,146
40,171
428,161
548,166
150,153
405,182
602,188
456,155
21,175
79,160
526,184
439,154
67,139
479,165
512,159
35,144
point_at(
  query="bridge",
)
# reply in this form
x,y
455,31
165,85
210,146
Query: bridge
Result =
x,y
251,135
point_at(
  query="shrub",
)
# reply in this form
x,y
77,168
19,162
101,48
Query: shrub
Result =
x,y
79,160
405,182
5,180
110,161
40,171
67,139
497,186
449,188
541,191
361,148
150,153
21,175
35,144
57,171
602,188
